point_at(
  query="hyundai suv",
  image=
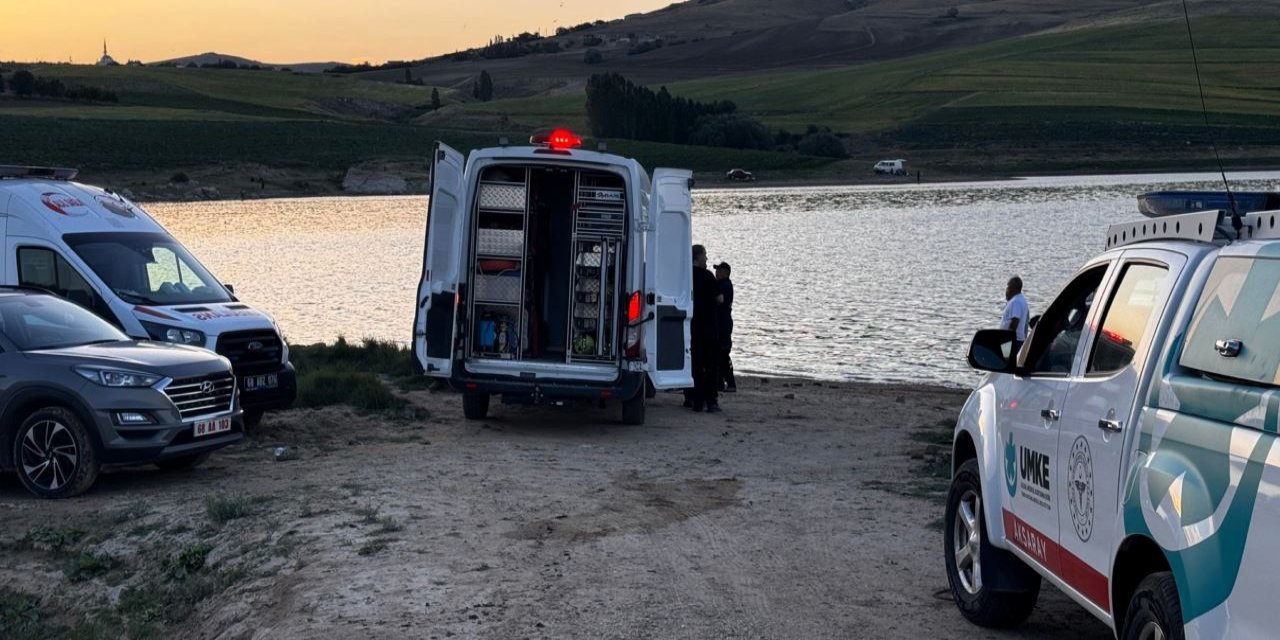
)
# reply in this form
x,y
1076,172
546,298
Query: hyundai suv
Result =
x,y
76,394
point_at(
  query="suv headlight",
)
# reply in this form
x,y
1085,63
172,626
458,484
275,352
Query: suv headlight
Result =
x,y
176,335
118,378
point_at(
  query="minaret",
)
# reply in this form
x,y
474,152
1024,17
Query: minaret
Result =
x,y
104,47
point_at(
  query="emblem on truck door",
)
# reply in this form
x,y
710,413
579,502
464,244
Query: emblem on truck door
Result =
x,y
1080,488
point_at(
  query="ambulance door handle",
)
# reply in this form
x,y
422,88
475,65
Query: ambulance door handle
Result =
x,y
1051,415
1112,426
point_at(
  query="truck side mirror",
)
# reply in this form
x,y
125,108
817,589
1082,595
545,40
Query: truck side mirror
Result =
x,y
1035,320
992,350
230,288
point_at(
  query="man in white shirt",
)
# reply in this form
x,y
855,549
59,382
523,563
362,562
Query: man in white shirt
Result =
x,y
1016,312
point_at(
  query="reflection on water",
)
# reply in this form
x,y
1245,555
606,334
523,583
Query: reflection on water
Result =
x,y
855,283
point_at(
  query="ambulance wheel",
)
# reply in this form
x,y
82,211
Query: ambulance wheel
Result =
x,y
1154,611
252,419
650,391
475,406
633,411
972,561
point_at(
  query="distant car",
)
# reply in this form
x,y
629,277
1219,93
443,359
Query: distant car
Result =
x,y
739,175
76,393
891,167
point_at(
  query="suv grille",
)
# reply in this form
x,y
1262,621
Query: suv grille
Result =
x,y
202,396
251,352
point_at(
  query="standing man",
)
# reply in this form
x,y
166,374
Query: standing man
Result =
x,y
724,324
704,343
1017,313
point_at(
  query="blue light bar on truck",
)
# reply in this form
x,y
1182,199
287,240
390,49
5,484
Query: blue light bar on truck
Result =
x,y
1159,204
48,173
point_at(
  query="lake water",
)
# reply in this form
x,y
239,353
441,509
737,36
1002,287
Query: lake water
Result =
x,y
849,283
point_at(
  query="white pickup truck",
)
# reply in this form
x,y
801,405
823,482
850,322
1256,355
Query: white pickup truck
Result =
x,y
1127,453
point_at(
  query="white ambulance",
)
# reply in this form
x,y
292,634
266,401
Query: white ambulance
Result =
x,y
555,275
1127,454
102,251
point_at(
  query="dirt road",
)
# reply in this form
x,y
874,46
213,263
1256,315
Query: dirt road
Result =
x,y
806,510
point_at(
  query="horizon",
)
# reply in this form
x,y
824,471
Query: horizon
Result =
x,y
285,31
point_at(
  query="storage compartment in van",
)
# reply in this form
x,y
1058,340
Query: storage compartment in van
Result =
x,y
547,265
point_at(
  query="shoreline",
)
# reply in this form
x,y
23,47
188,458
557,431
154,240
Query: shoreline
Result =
x,y
257,182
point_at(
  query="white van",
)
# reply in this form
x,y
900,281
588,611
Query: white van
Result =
x,y
555,275
891,167
105,253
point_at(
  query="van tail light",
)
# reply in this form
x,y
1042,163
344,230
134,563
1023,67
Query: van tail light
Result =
x,y
635,307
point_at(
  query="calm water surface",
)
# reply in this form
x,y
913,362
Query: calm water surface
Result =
x,y
850,283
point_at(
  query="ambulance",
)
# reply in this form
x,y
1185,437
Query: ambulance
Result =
x,y
105,253
1127,453
555,275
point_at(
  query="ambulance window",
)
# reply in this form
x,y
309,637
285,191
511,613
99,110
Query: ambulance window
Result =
x,y
45,269
1057,336
1141,288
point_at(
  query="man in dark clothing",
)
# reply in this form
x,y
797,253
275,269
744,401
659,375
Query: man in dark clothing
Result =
x,y
724,325
705,341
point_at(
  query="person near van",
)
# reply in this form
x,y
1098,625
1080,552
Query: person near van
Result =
x,y
705,341
1017,313
724,325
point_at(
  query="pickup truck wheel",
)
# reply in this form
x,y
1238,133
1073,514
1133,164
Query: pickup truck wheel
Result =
x,y
1154,611
475,406
54,454
968,553
633,411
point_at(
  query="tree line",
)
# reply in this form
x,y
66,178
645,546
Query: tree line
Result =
x,y
25,84
619,108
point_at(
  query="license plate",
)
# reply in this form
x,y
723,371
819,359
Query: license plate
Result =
x,y
269,381
210,427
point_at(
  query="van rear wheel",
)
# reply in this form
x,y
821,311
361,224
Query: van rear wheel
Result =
x,y
475,406
633,410
971,558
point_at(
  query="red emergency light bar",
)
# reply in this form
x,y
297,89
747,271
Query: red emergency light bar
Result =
x,y
559,140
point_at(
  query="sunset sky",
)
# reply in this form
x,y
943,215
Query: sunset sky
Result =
x,y
281,31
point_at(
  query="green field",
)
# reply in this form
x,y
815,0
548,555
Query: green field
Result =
x,y
1097,99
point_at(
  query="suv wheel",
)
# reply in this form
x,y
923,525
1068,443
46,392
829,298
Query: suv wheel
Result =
x,y
633,410
54,454
1154,611
969,554
475,406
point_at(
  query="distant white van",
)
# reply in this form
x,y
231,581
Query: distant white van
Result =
x,y
102,251
555,275
891,167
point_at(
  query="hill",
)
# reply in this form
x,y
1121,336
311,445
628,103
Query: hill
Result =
x,y
213,58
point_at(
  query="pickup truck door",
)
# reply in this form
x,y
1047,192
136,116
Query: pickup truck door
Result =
x,y
669,280
1032,408
1097,412
435,318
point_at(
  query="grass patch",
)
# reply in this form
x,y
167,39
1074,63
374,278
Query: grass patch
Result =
x,y
387,524
223,509
368,514
343,373
87,566
188,562
373,547
53,540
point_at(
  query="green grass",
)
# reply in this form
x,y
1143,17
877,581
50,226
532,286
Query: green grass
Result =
x,y
223,509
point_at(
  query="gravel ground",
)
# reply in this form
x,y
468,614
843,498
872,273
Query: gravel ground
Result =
x,y
805,510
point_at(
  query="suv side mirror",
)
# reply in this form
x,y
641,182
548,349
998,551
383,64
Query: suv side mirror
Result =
x,y
992,350
1031,324
230,288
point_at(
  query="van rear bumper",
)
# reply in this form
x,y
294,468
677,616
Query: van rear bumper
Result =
x,y
551,391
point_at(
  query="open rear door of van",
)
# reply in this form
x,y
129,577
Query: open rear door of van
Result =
x,y
669,279
436,316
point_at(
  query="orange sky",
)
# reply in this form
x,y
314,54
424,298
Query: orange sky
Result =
x,y
281,31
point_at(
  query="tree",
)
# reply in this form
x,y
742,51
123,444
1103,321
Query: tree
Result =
x,y
953,13
483,88
593,56
1,84
735,130
408,75
23,83
435,99
824,144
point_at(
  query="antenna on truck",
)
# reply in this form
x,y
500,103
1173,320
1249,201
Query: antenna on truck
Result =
x,y
1236,222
